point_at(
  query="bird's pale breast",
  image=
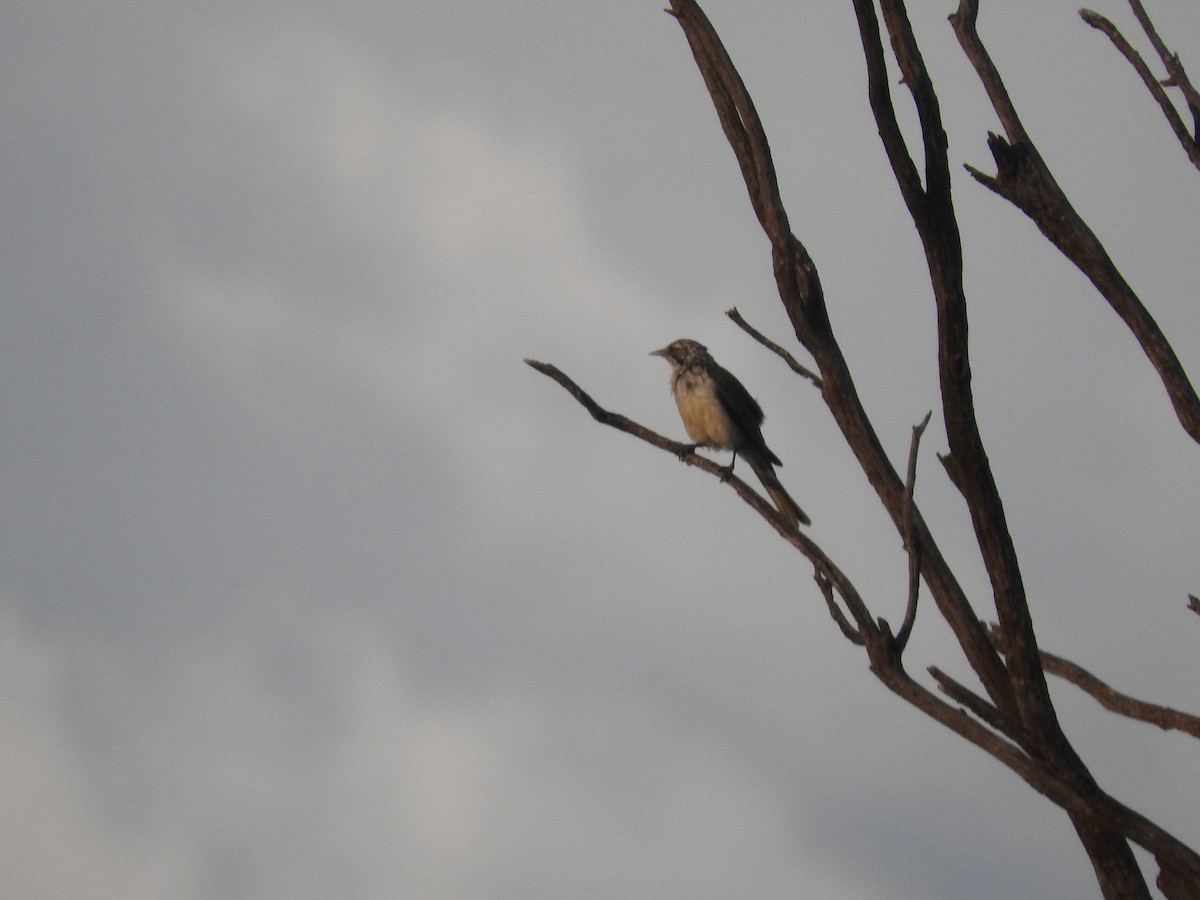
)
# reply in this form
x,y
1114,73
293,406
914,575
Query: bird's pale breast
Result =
x,y
703,416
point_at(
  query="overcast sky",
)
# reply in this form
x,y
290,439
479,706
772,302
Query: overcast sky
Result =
x,y
309,588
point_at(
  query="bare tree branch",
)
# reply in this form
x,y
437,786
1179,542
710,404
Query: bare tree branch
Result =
x,y
737,113
912,544
802,542
1018,690
932,211
1021,689
1177,77
964,20
852,634
622,423
1024,179
979,707
1113,700
1186,140
793,364
1015,722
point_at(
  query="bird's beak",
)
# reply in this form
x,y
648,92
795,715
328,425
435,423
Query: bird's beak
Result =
x,y
662,352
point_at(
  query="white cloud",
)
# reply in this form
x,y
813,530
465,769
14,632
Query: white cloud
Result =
x,y
480,256
243,783
57,844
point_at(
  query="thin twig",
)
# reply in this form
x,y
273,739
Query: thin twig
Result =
x,y
793,364
1164,717
912,543
978,706
1177,76
1186,140
1113,700
852,634
616,420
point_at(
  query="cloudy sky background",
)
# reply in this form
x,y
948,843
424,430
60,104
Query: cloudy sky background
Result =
x,y
311,589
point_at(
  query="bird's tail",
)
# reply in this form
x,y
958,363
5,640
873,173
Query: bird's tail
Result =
x,y
783,501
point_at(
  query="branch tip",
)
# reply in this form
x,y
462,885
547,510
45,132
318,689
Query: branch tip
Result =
x,y
793,364
1115,701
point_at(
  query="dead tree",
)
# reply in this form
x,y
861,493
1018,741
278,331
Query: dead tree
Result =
x,y
1009,713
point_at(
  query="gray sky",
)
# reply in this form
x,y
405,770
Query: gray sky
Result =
x,y
310,589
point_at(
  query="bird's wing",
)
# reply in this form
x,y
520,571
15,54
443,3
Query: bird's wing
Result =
x,y
746,414
736,399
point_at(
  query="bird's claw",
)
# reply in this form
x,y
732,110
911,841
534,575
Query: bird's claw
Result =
x,y
686,450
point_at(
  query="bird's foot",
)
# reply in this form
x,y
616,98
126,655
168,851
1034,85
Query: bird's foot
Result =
x,y
686,450
727,472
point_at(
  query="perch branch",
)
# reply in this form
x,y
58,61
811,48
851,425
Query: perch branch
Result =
x,y
809,548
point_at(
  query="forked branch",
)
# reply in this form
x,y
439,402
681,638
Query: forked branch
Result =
x,y
1023,178
804,302
1157,88
932,210
1176,76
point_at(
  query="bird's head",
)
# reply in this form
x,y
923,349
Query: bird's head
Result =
x,y
683,353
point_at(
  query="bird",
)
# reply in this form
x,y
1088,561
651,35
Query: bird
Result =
x,y
718,412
